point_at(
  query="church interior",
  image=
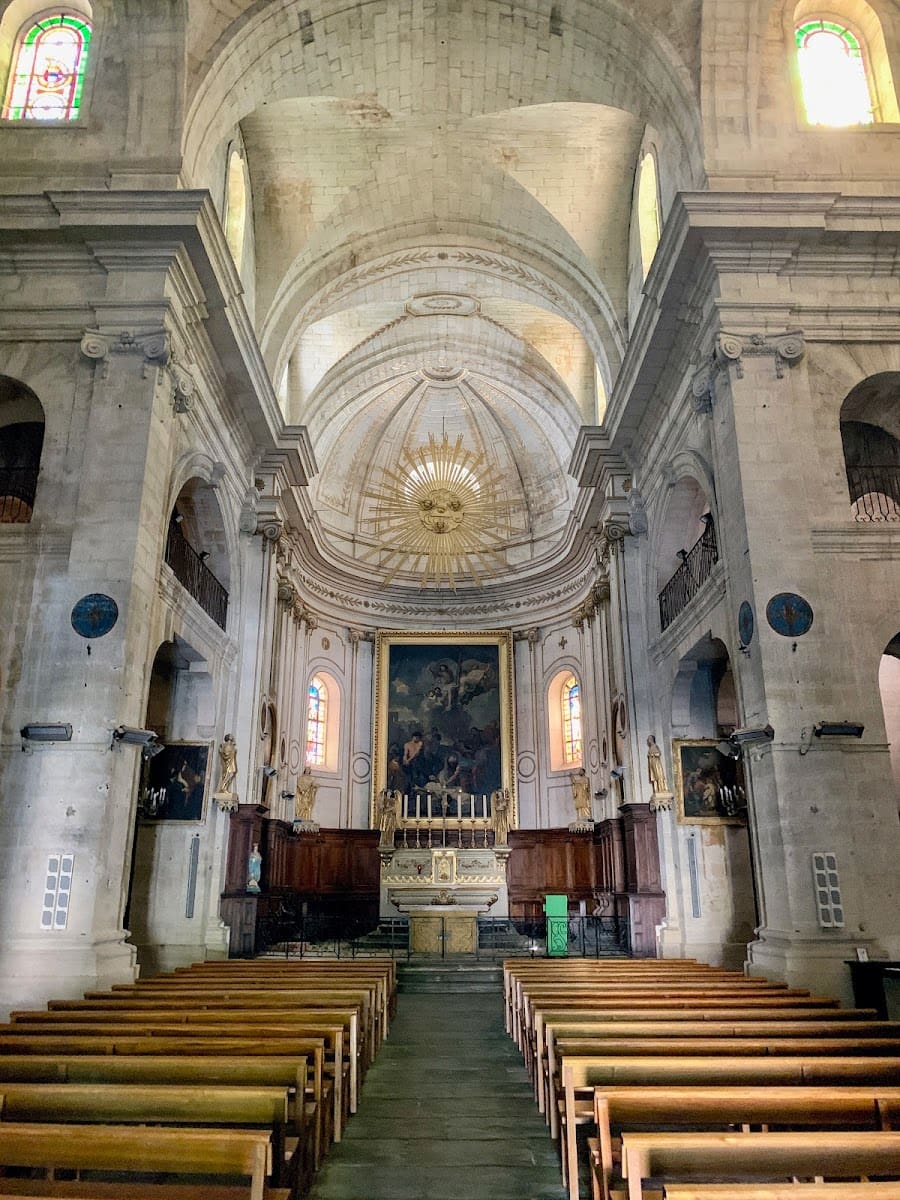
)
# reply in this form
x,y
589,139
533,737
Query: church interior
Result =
x,y
449,458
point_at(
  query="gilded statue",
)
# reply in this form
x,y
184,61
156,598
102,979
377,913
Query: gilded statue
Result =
x,y
305,797
500,805
389,807
224,794
581,792
656,768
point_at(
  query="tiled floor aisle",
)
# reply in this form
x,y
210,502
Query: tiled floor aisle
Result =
x,y
446,1113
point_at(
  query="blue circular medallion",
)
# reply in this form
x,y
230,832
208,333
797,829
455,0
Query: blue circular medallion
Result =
x,y
789,614
746,623
94,615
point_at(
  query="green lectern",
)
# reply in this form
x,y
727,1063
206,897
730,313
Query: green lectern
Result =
x,y
557,911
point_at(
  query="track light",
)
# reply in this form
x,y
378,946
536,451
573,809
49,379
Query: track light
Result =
x,y
839,729
270,772
46,732
127,736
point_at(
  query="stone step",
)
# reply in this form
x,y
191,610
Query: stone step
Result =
x,y
448,976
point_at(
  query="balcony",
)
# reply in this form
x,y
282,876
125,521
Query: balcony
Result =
x,y
17,489
195,576
696,567
875,492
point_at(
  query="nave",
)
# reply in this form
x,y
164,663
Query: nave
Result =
x,y
282,1080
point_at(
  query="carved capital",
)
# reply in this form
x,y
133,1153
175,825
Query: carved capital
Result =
x,y
154,347
703,389
786,349
287,593
271,529
183,388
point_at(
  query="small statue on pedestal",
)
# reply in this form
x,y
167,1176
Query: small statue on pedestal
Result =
x,y
223,795
389,807
254,869
500,801
662,796
581,792
304,799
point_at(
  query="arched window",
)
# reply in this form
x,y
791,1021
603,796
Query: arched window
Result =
x,y
316,723
571,721
648,211
235,207
834,74
47,77
564,721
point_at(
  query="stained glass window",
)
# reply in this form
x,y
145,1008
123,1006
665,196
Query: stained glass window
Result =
x,y
47,78
315,723
571,720
833,75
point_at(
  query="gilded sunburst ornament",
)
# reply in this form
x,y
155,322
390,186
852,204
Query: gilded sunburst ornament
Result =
x,y
439,514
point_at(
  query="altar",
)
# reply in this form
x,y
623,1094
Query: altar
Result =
x,y
443,929
454,882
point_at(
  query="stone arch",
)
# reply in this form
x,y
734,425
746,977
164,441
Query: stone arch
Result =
x,y
870,434
685,523
609,57
21,443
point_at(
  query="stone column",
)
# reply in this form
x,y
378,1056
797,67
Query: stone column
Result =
x,y
837,798
72,802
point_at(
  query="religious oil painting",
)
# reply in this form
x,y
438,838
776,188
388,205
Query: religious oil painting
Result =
x,y
173,785
443,720
709,785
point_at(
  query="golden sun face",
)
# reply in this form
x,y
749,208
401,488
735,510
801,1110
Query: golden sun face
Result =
x,y
439,514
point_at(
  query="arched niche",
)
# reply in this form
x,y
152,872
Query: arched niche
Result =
x,y
870,433
197,548
704,701
682,525
21,443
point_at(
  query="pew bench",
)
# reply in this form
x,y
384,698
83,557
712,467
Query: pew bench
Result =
x,y
171,1104
782,1191
750,1157
142,1150
581,1076
620,1109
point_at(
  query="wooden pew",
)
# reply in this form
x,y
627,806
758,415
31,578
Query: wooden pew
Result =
x,y
618,1109
782,1191
273,1012
755,1156
169,1104
581,1076
142,1150
574,1021
219,1047
193,1024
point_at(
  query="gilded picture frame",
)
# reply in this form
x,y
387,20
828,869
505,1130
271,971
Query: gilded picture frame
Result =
x,y
174,782
455,689
709,785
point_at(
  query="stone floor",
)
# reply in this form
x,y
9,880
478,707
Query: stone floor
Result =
x,y
446,1113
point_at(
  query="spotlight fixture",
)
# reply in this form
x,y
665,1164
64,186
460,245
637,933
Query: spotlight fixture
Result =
x,y
127,736
178,518
838,729
46,732
270,772
287,795
151,750
203,555
751,735
728,750
617,773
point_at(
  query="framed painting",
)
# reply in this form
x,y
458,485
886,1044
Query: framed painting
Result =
x,y
709,785
173,782
444,717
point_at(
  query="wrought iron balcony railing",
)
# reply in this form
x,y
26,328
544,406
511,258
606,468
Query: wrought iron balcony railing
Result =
x,y
695,569
195,576
18,486
875,492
